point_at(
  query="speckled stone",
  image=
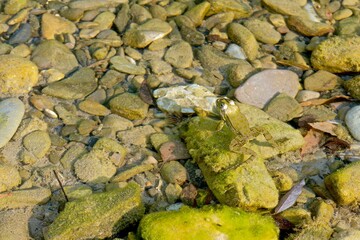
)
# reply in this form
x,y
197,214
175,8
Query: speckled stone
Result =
x,y
17,75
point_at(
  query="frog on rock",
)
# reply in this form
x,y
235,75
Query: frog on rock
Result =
x,y
231,116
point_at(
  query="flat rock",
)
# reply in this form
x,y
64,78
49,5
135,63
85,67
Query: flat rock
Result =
x,y
138,136
197,13
263,31
283,107
110,213
78,85
14,224
144,34
52,25
53,54
285,7
129,106
240,8
37,143
11,113
344,184
322,81
94,167
113,149
352,120
9,177
263,86
209,222
305,95
244,38
24,198
93,108
14,6
338,54
17,75
185,99
307,27
173,150
180,55
123,65
95,4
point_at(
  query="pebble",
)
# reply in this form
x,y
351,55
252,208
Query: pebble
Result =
x,y
13,6
52,25
238,73
14,224
179,55
53,54
78,85
348,26
74,152
116,122
113,148
305,95
285,7
9,177
94,167
235,51
239,8
11,113
263,31
283,107
307,27
197,13
37,143
17,75
352,120
263,86
173,172
24,198
338,54
244,38
353,87
93,108
173,150
138,136
22,35
95,4
123,65
129,106
322,81
144,34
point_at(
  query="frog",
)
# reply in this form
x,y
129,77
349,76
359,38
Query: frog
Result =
x,y
231,115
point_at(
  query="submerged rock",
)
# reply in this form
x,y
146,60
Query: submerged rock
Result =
x,y
353,87
210,222
338,54
99,215
352,120
24,198
9,177
248,185
344,184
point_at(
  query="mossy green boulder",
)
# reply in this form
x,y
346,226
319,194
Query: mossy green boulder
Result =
x,y
99,215
344,184
210,222
249,185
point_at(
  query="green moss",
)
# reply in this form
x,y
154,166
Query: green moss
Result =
x,y
99,215
210,222
353,87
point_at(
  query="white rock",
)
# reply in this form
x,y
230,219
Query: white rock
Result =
x,y
235,51
352,120
184,99
11,112
260,88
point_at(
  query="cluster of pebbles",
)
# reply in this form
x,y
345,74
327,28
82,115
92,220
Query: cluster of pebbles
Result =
x,y
79,81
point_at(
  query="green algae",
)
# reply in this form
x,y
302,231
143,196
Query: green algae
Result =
x,y
99,215
210,222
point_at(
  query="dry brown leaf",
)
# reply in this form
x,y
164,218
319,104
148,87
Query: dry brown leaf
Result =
x,y
312,140
334,144
321,101
324,127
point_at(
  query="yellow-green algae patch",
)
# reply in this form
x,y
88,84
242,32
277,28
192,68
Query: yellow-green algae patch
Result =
x,y
99,215
249,185
210,222
344,184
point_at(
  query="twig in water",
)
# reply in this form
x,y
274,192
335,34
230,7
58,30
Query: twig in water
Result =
x,y
61,186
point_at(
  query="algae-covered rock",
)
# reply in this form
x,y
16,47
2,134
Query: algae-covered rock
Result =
x,y
99,215
249,185
338,54
211,222
315,230
24,198
353,87
344,184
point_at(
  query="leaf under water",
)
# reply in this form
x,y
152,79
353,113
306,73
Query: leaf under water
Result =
x,y
290,197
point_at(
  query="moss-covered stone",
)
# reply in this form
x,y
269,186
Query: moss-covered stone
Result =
x,y
99,215
353,87
315,230
211,222
249,185
344,184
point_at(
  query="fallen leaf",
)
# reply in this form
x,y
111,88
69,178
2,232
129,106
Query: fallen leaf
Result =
x,y
290,197
334,144
282,223
145,93
312,140
326,127
321,101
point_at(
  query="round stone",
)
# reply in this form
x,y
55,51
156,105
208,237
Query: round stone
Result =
x,y
38,143
11,112
260,88
352,120
17,75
